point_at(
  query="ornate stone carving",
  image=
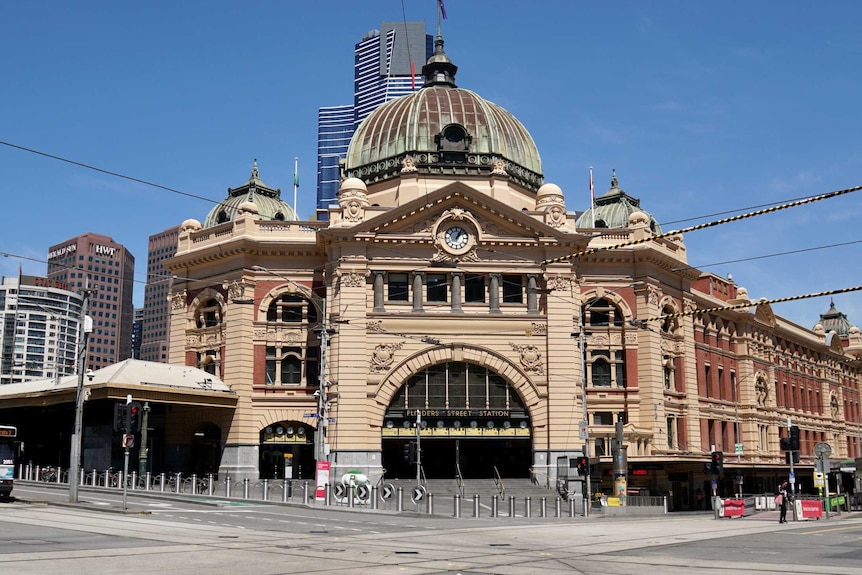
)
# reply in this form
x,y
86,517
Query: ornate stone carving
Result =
x,y
653,295
408,164
555,217
558,282
383,356
374,326
531,358
457,214
352,278
499,168
539,328
178,300
236,290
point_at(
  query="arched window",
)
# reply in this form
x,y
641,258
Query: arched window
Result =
x,y
208,314
208,361
601,313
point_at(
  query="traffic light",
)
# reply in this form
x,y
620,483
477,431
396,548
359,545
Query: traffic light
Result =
x,y
794,438
410,452
133,417
784,443
120,417
717,462
583,465
787,455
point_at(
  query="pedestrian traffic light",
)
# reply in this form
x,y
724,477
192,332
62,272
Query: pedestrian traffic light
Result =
x,y
794,438
133,417
784,443
583,465
120,417
717,462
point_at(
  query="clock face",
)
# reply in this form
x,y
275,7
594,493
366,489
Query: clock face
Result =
x,y
456,237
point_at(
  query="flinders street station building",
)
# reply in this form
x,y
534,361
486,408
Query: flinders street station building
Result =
x,y
450,296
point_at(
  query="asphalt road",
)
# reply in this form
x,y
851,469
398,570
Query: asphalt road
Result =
x,y
177,537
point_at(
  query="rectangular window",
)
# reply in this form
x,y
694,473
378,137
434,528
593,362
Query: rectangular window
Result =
x,y
671,428
474,288
603,418
438,290
397,287
513,289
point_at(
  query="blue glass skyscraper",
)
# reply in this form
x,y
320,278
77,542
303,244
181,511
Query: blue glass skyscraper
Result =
x,y
384,63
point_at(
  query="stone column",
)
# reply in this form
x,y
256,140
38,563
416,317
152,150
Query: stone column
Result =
x,y
457,280
494,293
417,291
378,291
532,296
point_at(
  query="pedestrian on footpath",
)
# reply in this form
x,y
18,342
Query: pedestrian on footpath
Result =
x,y
782,498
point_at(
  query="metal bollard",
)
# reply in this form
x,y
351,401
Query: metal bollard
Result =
x,y
495,512
265,489
179,482
557,509
511,506
543,507
162,481
210,484
399,499
134,484
227,486
430,505
476,505
572,508
59,474
351,495
245,488
528,507
327,494
148,482
373,497
107,477
194,483
457,507
305,492
285,485
82,478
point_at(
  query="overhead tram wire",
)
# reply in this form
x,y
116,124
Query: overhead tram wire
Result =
x,y
804,201
762,301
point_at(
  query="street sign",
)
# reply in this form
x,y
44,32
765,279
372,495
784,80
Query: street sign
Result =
x,y
128,440
309,415
386,491
738,449
363,492
583,430
418,494
792,478
822,450
338,490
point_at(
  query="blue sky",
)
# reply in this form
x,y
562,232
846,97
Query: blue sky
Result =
x,y
700,107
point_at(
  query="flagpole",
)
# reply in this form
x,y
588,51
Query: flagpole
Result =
x,y
592,199
295,184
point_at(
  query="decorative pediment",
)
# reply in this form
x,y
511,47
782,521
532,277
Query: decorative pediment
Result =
x,y
764,314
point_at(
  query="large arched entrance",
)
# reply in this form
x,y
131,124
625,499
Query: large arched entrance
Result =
x,y
471,421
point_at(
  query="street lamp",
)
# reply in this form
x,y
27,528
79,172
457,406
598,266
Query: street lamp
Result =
x,y
86,328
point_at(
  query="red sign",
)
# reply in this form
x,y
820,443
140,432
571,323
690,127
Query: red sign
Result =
x,y
733,507
322,480
810,509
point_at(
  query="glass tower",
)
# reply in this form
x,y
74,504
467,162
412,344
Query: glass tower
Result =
x,y
385,62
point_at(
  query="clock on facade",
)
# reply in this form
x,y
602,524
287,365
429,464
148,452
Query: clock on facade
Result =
x,y
456,237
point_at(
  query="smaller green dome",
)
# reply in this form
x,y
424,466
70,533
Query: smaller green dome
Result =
x,y
835,321
612,210
268,202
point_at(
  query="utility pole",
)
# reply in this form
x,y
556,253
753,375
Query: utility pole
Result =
x,y
86,328
143,452
585,424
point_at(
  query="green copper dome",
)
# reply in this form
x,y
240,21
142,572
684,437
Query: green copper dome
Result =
x,y
444,130
267,202
613,209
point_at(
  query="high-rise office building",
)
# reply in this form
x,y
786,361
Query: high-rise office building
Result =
x,y
99,263
39,329
137,324
385,64
157,310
